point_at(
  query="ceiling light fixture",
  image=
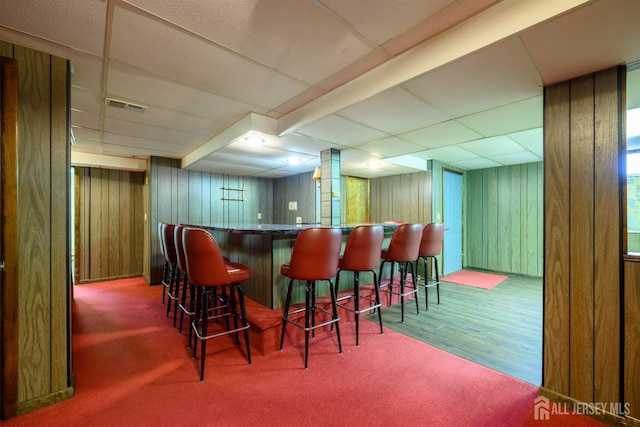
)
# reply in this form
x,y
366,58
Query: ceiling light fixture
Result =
x,y
294,160
254,139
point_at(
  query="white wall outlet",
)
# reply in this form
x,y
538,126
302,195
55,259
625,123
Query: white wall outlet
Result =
x,y
438,216
293,206
298,220
259,215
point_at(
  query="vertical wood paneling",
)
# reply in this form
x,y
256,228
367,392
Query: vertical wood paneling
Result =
x,y
111,229
583,237
505,198
404,198
34,223
632,335
581,260
60,310
607,235
474,228
515,218
533,245
556,230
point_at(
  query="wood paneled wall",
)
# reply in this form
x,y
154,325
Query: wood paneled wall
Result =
x,y
583,236
180,196
109,224
404,198
299,188
44,357
504,227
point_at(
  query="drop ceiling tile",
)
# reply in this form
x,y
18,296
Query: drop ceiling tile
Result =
x,y
382,20
124,127
587,40
532,139
85,120
86,135
447,154
521,115
140,143
394,111
77,23
442,134
86,72
85,101
494,76
147,88
263,153
492,146
153,45
479,163
137,152
339,130
516,158
165,119
294,37
302,144
391,146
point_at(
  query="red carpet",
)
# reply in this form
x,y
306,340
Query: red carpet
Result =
x,y
132,369
474,278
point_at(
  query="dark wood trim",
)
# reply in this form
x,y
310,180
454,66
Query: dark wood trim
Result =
x,y
9,168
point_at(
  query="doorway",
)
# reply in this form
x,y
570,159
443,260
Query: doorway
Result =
x,y
452,218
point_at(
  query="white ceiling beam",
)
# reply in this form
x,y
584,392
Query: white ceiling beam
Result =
x,y
497,23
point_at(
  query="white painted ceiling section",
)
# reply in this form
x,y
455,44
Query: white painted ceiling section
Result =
x,y
389,83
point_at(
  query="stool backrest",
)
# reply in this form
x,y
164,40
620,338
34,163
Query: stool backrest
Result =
x,y
363,248
405,243
316,253
169,245
161,238
205,264
432,236
177,238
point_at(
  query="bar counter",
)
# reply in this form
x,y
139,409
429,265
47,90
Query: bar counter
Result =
x,y
264,248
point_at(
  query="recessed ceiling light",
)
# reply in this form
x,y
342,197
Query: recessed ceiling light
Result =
x,y
254,139
294,160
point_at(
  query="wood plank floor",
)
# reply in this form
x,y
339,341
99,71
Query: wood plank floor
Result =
x,y
500,328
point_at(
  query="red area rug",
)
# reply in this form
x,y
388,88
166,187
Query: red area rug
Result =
x,y
133,369
474,278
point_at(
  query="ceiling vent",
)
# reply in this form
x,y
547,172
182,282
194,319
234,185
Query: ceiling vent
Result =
x,y
125,105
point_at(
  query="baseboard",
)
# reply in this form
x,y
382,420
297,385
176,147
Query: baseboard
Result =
x,y
568,404
46,400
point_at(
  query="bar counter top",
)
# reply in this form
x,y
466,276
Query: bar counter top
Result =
x,y
279,229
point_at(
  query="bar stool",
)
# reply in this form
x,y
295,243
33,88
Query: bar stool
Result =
x,y
168,233
315,256
430,247
165,265
182,279
208,270
361,254
403,249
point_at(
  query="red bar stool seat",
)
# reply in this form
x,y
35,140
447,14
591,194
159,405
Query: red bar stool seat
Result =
x,y
430,247
403,249
315,256
361,254
208,270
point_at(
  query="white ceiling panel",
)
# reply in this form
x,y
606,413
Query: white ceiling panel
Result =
x,y
152,45
493,146
394,111
148,89
294,37
530,139
81,23
516,158
85,120
590,39
339,130
151,133
521,115
374,20
478,163
391,146
341,74
442,134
